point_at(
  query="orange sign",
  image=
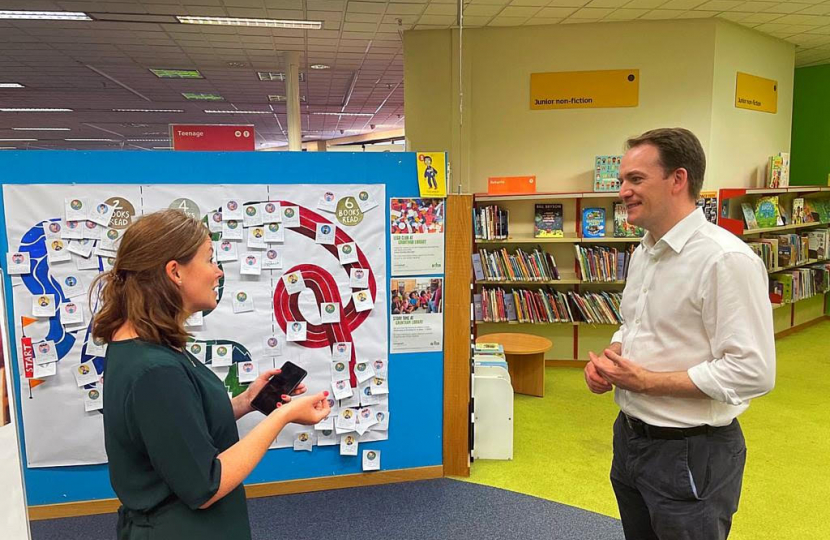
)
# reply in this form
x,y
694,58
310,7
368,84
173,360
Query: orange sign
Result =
x,y
504,185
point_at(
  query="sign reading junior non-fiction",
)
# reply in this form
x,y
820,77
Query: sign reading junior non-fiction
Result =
x,y
756,93
585,89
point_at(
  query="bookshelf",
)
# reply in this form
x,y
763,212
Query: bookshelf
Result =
x,y
788,315
571,339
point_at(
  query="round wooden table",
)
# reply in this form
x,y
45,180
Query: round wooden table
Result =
x,y
525,360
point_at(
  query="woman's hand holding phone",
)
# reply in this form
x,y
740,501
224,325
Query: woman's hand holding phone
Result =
x,y
307,410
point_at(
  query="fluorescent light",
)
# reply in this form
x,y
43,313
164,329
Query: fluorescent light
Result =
x,y
280,98
202,96
148,140
275,76
319,66
264,23
92,140
177,73
343,114
40,129
162,148
11,85
46,15
234,111
32,109
8,148
18,140
150,110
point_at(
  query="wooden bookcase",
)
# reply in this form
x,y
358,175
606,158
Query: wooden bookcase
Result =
x,y
788,316
573,340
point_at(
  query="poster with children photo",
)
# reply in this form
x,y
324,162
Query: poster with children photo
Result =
x,y
417,229
417,314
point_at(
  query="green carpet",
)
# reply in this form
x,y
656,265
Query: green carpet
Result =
x,y
562,446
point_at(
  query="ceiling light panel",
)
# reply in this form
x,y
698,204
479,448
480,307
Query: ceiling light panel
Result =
x,y
177,73
45,15
150,110
40,129
260,23
202,96
234,111
278,98
31,109
11,85
275,76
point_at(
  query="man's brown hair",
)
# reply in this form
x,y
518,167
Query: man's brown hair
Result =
x,y
678,148
138,289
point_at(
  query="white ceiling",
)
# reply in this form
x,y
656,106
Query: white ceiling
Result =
x,y
94,67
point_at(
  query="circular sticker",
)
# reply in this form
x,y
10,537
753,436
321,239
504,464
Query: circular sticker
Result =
x,y
55,227
348,212
232,205
76,204
83,370
289,212
330,308
250,210
196,348
112,234
241,296
71,281
94,394
123,212
363,196
371,455
221,350
273,227
271,254
270,207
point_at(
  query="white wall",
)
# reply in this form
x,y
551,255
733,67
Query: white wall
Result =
x,y
687,76
742,140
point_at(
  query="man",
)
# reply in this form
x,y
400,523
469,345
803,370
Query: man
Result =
x,y
695,347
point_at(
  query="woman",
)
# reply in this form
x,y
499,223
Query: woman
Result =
x,y
175,458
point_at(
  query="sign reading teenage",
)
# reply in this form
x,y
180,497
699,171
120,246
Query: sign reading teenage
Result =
x,y
585,89
212,137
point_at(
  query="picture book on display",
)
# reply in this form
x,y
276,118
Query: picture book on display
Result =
x,y
767,213
622,228
593,222
749,216
798,211
607,173
548,221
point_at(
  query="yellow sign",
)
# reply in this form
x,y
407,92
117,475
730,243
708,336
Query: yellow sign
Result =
x,y
585,89
756,93
432,174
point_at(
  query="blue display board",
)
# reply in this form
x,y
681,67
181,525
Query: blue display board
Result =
x,y
416,401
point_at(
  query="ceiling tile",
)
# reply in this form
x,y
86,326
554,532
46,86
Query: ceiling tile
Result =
x,y
786,7
645,4
591,13
437,20
481,10
556,12
537,21
626,14
507,21
519,11
662,14
441,9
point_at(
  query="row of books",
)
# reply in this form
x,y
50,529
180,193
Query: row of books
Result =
x,y
799,284
491,223
499,265
546,306
600,263
769,212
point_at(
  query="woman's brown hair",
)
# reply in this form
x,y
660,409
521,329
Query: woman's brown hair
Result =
x,y
138,289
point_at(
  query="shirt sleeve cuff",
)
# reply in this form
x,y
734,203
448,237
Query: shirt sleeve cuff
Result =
x,y
617,338
702,377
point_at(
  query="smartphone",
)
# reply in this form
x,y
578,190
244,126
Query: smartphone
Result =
x,y
281,384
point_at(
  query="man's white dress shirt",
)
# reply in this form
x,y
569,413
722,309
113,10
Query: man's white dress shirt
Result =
x,y
697,301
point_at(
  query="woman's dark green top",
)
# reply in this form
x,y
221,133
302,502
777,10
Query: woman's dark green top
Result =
x,y
166,419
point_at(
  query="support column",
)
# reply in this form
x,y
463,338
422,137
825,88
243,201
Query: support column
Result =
x,y
292,91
